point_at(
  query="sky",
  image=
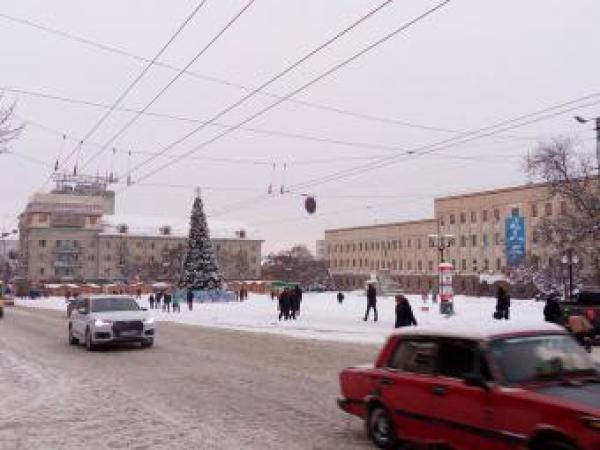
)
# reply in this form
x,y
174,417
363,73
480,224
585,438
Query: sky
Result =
x,y
467,66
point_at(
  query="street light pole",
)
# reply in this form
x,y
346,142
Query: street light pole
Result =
x,y
597,123
441,243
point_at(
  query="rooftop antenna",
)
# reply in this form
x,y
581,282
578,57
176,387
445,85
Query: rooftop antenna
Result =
x,y
60,150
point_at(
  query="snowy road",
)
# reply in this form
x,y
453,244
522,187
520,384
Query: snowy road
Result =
x,y
197,388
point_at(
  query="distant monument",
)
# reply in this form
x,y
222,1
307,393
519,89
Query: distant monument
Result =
x,y
384,284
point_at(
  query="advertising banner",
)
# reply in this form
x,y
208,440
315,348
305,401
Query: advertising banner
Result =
x,y
515,241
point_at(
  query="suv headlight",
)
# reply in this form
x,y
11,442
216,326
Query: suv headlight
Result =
x,y
102,322
149,321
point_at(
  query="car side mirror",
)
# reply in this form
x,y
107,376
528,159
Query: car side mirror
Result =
x,y
476,380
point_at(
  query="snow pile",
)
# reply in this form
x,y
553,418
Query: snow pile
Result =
x,y
323,318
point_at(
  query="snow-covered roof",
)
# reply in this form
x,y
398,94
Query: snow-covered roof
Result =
x,y
150,226
480,331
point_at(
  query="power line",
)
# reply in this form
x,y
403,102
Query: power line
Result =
x,y
304,86
231,84
137,79
221,32
273,79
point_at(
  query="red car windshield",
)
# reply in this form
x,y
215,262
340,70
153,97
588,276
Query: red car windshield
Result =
x,y
531,359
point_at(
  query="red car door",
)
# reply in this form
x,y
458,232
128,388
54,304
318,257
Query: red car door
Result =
x,y
464,413
405,385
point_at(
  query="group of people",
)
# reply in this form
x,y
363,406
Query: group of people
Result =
x,y
289,303
164,300
404,313
242,294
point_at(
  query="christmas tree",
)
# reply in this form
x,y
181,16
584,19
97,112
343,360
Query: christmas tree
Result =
x,y
200,268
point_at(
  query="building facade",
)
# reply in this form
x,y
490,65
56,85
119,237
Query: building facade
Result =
x,y
485,233
73,234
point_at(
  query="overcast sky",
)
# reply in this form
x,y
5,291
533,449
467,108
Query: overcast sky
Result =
x,y
470,65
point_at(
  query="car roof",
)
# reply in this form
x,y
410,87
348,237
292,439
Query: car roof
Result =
x,y
481,331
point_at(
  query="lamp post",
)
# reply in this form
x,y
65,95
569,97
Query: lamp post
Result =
x,y
596,120
569,260
441,242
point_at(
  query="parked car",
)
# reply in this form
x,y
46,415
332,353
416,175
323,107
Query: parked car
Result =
x,y
585,303
98,320
502,387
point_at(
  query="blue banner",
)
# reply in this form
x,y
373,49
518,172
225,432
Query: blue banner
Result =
x,y
515,241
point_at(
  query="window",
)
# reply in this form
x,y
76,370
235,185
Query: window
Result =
x,y
419,265
395,265
474,240
535,236
353,263
152,245
496,214
514,212
416,356
473,217
484,215
400,265
456,358
377,245
452,219
408,243
484,240
395,245
91,258
563,208
463,241
534,210
42,271
454,263
475,267
463,217
430,266
43,218
419,244
107,258
497,238
498,264
409,265
486,264
42,243
441,219
548,209
463,264
107,244
138,244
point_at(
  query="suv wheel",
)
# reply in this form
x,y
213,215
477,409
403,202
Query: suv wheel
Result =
x,y
381,428
88,340
72,339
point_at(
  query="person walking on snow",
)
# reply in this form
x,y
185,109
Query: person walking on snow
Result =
x,y
190,299
502,303
296,298
371,302
151,301
404,313
340,297
284,304
167,302
176,306
157,300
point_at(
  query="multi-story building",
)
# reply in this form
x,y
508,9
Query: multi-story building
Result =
x,y
72,233
479,228
321,250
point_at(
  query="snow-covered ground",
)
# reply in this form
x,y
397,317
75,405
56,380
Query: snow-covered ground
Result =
x,y
323,318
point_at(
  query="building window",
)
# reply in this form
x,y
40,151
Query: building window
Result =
x,y
43,218
484,239
42,271
473,217
534,210
400,265
107,244
395,265
496,214
474,265
535,236
474,240
563,208
454,264
497,238
463,217
484,215
91,258
463,264
514,212
377,264
419,265
409,265
452,219
419,244
138,244
498,264
377,245
463,241
441,219
107,258
486,264
408,243
42,243
430,266
548,209
93,220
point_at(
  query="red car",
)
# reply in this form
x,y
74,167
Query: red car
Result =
x,y
502,387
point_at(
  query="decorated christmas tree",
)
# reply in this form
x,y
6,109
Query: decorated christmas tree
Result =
x,y
200,268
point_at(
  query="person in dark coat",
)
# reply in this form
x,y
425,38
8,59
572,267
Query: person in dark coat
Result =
x,y
151,301
158,299
371,301
296,296
502,303
167,302
284,304
340,297
190,299
404,314
552,311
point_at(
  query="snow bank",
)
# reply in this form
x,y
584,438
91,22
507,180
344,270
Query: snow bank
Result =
x,y
323,318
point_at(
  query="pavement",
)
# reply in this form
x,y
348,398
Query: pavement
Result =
x,y
196,388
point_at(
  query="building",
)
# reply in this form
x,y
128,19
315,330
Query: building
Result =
x,y
487,233
73,233
321,250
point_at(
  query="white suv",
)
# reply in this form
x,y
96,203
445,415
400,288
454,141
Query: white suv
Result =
x,y
104,319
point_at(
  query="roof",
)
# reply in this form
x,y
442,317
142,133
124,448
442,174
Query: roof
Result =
x,y
480,331
382,225
150,226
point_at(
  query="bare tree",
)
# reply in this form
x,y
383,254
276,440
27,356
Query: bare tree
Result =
x,y
570,176
8,131
297,264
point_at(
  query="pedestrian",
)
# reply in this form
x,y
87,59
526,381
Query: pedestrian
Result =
x,y
284,304
295,299
502,303
158,299
340,297
371,301
552,311
176,306
167,302
190,299
404,313
139,293
151,301
273,294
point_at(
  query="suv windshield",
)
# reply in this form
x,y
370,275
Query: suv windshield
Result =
x,y
537,358
114,304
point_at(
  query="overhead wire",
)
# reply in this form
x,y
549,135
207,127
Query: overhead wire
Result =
x,y
267,83
303,87
204,49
